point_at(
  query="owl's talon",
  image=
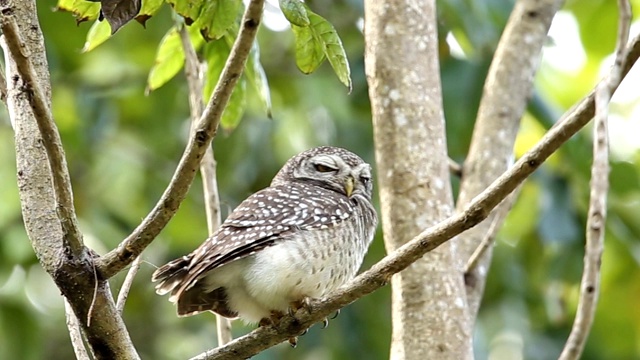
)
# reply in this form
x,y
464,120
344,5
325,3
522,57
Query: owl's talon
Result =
x,y
325,323
293,341
336,314
304,332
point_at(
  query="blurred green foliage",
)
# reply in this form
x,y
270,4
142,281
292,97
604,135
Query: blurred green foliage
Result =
x,y
123,146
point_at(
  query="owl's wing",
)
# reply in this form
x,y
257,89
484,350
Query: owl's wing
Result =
x,y
268,216
262,220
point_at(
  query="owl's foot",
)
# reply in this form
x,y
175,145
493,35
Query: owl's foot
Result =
x,y
294,306
273,319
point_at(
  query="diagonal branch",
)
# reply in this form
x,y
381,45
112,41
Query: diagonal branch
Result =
x,y
48,130
590,284
199,141
477,210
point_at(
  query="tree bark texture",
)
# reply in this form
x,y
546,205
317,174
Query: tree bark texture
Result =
x,y
71,267
401,61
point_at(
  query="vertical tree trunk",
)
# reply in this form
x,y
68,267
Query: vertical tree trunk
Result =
x,y
401,58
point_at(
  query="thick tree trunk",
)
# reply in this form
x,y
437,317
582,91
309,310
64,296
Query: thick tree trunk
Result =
x,y
429,313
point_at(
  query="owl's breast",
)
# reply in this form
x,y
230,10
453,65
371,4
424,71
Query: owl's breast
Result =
x,y
308,264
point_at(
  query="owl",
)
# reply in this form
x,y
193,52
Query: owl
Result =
x,y
298,239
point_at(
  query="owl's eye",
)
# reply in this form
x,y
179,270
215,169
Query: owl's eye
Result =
x,y
365,179
323,168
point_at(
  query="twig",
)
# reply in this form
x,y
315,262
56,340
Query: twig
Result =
x,y
48,131
75,333
501,213
95,293
126,284
380,273
455,168
199,142
194,75
594,246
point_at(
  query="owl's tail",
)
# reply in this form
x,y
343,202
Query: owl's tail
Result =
x,y
171,276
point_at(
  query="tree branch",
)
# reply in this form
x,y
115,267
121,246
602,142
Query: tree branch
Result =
x,y
594,246
199,142
43,184
48,130
476,211
506,92
126,284
499,215
194,74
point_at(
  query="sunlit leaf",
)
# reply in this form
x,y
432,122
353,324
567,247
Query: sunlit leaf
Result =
x,y
170,57
216,54
99,32
81,10
295,12
149,9
188,9
317,41
217,17
258,78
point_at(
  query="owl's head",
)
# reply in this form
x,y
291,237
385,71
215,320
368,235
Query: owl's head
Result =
x,y
329,167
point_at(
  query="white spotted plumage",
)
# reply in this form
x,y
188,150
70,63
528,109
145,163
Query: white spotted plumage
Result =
x,y
301,237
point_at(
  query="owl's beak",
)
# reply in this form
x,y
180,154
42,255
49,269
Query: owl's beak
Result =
x,y
349,183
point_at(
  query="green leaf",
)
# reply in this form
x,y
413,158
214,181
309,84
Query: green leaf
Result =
x,y
295,12
235,107
333,48
309,52
99,32
217,17
81,10
216,54
317,41
149,8
188,9
170,57
256,75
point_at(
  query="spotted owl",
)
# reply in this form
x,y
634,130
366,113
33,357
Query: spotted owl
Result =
x,y
301,237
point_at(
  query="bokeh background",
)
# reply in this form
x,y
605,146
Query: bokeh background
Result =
x,y
123,146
